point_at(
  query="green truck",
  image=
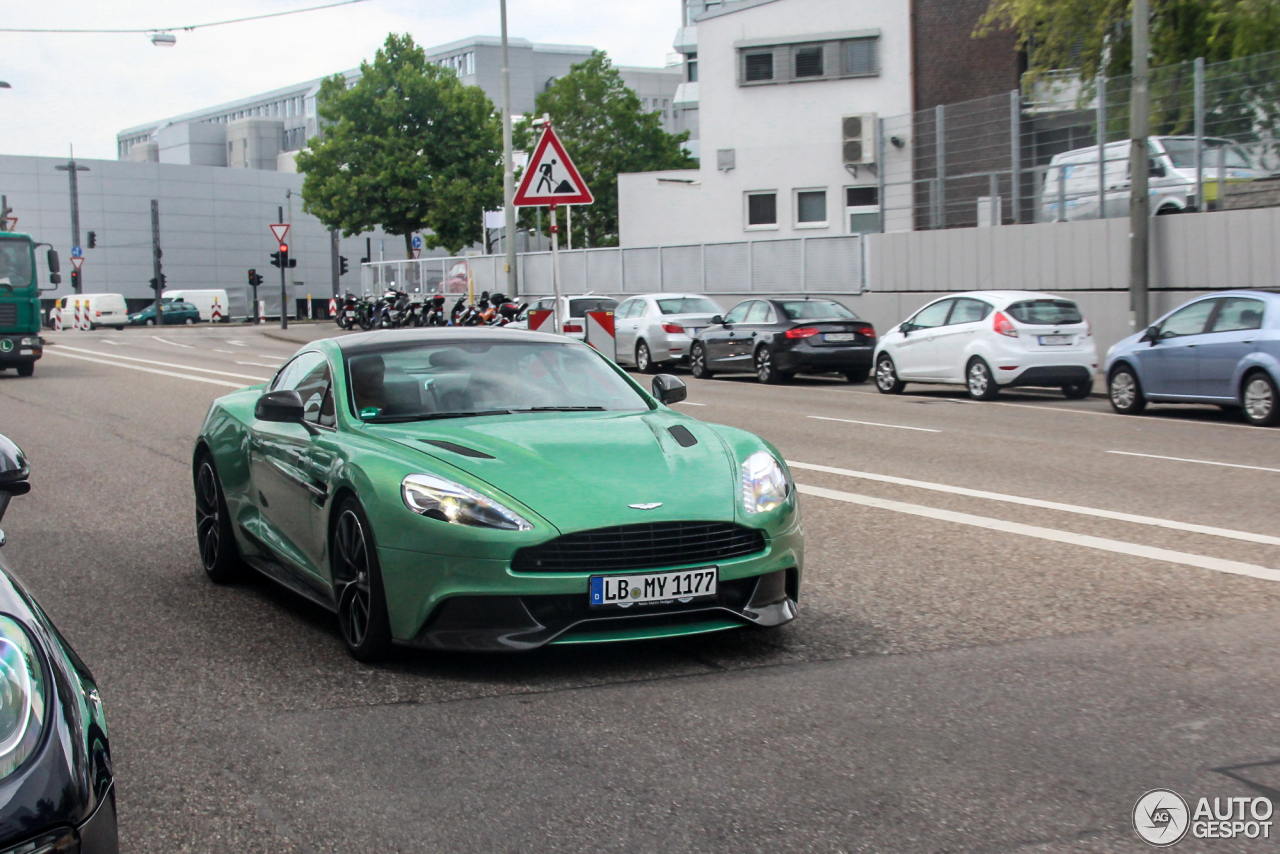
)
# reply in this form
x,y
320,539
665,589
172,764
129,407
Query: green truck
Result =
x,y
20,341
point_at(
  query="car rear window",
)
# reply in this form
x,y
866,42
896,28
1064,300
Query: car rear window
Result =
x,y
814,309
688,305
1046,312
580,307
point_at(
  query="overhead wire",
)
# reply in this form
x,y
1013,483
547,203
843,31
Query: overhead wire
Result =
x,y
186,28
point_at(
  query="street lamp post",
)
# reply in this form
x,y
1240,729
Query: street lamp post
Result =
x,y
1139,168
508,168
71,168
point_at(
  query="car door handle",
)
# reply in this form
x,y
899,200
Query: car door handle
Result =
x,y
753,334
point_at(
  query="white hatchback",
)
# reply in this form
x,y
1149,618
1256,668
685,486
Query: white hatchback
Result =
x,y
989,340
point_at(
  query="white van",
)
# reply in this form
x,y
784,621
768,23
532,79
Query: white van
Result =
x,y
1071,181
203,301
104,310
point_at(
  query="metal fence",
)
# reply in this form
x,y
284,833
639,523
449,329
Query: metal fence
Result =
x,y
826,265
1059,150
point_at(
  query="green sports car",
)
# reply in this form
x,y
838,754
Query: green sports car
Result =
x,y
490,489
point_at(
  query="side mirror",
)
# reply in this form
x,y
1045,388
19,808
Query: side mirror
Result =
x,y
1152,334
13,475
54,265
669,389
718,320
1155,169
905,328
284,407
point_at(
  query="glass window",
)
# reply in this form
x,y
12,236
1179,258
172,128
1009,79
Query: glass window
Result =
x,y
624,311
932,315
759,312
580,307
809,61
816,309
1189,320
1238,313
1182,152
811,206
762,209
969,311
688,305
317,401
15,263
738,312
861,56
861,197
1046,312
758,66
693,68
293,372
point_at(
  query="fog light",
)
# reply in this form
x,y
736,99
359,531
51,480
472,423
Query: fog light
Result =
x,y
65,841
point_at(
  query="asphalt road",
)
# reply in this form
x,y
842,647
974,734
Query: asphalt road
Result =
x,y
1018,617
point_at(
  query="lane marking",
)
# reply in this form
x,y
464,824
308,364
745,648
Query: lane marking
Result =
x,y
112,343
691,403
1245,536
261,364
216,350
1116,546
873,424
166,364
238,343
60,352
1201,462
173,343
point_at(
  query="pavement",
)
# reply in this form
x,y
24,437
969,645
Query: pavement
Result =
x,y
1018,617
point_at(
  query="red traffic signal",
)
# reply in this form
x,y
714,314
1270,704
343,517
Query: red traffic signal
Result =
x,y
284,247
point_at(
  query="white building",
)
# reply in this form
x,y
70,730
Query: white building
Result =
x,y
788,92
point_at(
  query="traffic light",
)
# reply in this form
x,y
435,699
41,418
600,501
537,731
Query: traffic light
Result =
x,y
75,280
93,239
254,279
161,286
275,259
342,265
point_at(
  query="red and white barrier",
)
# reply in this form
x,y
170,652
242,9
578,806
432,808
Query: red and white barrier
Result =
x,y
540,321
215,314
86,319
55,318
333,308
601,334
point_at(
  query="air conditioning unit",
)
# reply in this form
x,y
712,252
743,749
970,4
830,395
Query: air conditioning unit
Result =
x,y
859,139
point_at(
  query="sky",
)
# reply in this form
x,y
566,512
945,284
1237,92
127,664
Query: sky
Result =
x,y
81,89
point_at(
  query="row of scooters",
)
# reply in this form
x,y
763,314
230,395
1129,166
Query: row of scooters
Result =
x,y
399,309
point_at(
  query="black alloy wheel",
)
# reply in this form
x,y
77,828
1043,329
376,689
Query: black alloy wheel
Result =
x,y
1125,391
26,369
1261,400
357,586
213,527
1077,391
887,381
982,384
644,360
766,371
698,362
857,376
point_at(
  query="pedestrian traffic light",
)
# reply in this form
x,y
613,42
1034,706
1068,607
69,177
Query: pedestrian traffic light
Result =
x,y
93,239
342,265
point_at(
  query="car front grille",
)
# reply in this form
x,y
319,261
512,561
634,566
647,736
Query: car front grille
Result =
x,y
8,314
646,546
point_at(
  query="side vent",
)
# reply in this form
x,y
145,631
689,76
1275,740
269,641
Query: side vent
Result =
x,y
458,449
682,435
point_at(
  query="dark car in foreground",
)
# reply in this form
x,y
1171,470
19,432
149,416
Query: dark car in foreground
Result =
x,y
174,312
778,338
57,794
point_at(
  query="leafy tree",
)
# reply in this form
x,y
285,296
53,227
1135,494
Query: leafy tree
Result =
x,y
603,129
408,148
1095,35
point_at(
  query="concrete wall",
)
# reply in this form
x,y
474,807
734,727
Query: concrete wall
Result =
x,y
193,143
254,143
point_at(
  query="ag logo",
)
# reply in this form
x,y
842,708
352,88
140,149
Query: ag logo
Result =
x,y
6,345
1161,817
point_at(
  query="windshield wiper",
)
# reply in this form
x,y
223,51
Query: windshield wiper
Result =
x,y
434,416
562,409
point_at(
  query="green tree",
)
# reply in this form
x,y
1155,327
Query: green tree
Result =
x,y
407,148
1095,35
603,129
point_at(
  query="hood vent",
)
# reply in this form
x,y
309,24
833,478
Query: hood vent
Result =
x,y
458,449
682,435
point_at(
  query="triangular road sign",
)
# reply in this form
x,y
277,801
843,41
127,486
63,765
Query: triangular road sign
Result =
x,y
77,263
11,223
551,178
279,229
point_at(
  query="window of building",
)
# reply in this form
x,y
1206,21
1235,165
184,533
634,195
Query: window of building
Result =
x,y
861,57
691,65
811,208
815,59
862,209
808,61
758,67
762,209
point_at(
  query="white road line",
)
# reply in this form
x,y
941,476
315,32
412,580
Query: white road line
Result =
x,y
691,403
216,350
261,364
113,343
60,352
1246,536
1116,546
873,424
1200,462
165,364
238,343
172,343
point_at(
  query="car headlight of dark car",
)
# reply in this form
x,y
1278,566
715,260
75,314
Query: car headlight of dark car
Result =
x,y
22,696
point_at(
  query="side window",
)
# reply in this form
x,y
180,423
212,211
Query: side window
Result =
x,y
293,372
317,396
969,311
641,308
932,315
739,312
1238,313
1189,320
759,312
625,310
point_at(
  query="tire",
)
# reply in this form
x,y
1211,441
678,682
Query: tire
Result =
x,y
26,369
188,321
93,327
766,371
1261,400
858,376
150,321
357,585
1125,392
698,362
644,359
214,537
980,381
887,381
1077,391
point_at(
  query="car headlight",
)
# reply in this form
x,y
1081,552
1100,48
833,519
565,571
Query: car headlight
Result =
x,y
764,483
29,342
22,696
452,502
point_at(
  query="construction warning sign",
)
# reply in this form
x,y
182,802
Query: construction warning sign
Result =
x,y
551,178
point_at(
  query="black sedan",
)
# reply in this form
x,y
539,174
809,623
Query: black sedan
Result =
x,y
56,787
778,338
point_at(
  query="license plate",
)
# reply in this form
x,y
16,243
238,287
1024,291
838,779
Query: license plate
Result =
x,y
838,336
1055,340
351,314
623,591
693,330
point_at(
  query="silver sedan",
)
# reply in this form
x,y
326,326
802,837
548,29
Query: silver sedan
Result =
x,y
654,330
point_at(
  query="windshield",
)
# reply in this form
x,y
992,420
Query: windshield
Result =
x,y
688,305
15,263
462,379
1182,153
814,309
1046,312
580,307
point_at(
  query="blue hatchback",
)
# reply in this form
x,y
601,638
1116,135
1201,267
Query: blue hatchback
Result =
x,y
1221,349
